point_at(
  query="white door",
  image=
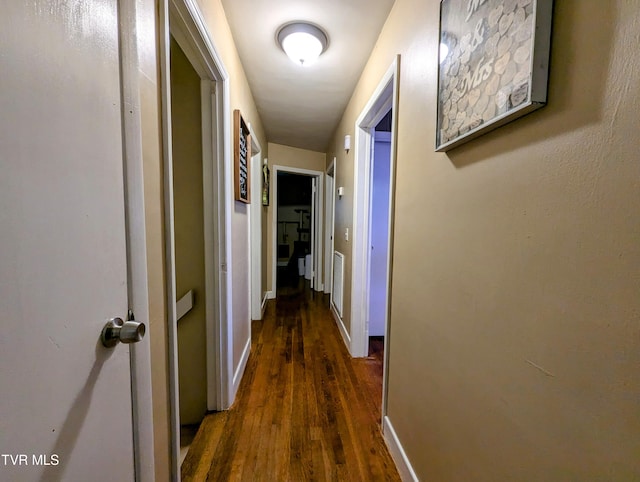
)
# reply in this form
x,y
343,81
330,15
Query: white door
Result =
x,y
312,236
328,253
379,235
65,408
256,238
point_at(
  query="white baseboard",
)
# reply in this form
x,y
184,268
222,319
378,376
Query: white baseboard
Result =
x,y
397,452
237,375
271,295
343,330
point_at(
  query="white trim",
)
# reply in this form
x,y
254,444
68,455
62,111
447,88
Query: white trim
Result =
x,y
319,199
189,28
255,229
397,452
343,330
209,144
318,251
169,237
138,289
314,230
330,208
242,364
271,295
184,305
225,205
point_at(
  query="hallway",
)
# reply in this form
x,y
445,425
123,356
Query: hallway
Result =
x,y
305,409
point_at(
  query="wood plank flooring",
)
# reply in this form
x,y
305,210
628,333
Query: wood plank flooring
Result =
x,y
305,410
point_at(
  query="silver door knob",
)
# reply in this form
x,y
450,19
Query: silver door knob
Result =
x,y
117,330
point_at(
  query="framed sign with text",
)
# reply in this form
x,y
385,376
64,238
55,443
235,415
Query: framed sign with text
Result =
x,y
241,158
494,65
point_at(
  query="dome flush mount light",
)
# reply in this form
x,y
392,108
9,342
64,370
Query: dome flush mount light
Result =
x,y
302,42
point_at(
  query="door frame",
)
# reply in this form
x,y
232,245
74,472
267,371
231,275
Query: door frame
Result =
x,y
184,20
384,97
318,199
255,230
329,225
137,273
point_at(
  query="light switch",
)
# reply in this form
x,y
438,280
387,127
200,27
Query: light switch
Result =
x,y
346,234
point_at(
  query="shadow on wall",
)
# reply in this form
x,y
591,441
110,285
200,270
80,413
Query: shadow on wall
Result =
x,y
76,417
581,42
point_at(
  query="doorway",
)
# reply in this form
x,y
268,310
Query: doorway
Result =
x,y
370,202
206,212
379,253
188,218
297,228
329,210
294,220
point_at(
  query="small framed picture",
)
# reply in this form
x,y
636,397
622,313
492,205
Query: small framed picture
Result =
x,y
265,184
241,158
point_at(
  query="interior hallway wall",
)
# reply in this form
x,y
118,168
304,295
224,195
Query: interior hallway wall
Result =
x,y
514,347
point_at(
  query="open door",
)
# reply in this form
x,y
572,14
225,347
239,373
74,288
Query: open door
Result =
x,y
66,408
312,237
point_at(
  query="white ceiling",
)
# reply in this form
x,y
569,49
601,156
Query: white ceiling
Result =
x,y
300,106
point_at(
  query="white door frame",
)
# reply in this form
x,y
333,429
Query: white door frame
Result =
x,y
183,19
318,199
255,230
313,229
329,225
385,97
137,285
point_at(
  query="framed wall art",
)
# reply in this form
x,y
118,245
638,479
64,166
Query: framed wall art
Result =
x,y
494,65
265,183
241,158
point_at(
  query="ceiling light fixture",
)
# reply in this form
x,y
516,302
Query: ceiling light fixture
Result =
x,y
302,42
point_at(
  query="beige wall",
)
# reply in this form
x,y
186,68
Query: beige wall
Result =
x,y
189,234
280,155
514,348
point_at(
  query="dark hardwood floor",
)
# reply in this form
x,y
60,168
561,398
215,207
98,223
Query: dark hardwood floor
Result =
x,y
305,409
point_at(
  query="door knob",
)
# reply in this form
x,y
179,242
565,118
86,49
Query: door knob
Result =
x,y
117,330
